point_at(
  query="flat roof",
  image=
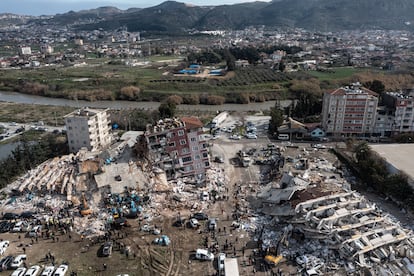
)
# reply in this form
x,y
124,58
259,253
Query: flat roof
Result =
x,y
398,155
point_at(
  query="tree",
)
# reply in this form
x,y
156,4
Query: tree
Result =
x,y
276,118
376,86
167,110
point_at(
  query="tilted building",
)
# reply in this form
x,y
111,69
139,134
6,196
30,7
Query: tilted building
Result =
x,y
88,128
178,147
349,111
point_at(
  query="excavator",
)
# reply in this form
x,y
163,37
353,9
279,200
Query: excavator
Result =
x,y
84,208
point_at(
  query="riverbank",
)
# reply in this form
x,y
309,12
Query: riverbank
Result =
x,y
14,97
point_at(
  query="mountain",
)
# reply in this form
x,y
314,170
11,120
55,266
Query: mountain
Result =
x,y
176,17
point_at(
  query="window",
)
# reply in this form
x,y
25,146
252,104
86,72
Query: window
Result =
x,y
172,144
185,150
197,157
205,154
187,159
195,148
183,142
207,164
193,139
181,132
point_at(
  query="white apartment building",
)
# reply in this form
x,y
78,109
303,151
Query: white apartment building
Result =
x,y
349,111
25,50
88,128
402,106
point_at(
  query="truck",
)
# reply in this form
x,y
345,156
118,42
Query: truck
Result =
x,y
231,267
219,119
243,158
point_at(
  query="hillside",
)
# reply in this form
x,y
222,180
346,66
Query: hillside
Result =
x,y
324,15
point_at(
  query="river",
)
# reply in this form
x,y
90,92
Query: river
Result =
x,y
6,150
32,99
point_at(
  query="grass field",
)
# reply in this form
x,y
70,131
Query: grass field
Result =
x,y
25,113
335,73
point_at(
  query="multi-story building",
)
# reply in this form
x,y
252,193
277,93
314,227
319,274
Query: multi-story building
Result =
x,y
349,111
88,128
401,105
178,147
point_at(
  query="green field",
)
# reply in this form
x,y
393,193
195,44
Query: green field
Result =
x,y
335,73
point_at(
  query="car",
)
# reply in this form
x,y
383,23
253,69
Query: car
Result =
x,y
212,224
6,262
251,136
18,261
19,272
48,271
33,271
200,216
20,226
107,249
194,223
220,262
204,255
35,231
205,196
180,222
235,137
10,216
61,270
219,159
3,247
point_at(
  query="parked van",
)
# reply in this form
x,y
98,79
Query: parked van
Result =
x,y
283,136
203,254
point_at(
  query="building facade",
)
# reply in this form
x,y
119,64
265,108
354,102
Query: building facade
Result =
x,y
178,147
401,106
349,111
88,128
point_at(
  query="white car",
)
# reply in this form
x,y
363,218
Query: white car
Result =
x,y
48,271
235,137
33,271
251,136
61,270
18,261
204,255
3,246
194,223
220,262
19,272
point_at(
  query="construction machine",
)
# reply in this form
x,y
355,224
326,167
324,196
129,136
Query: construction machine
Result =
x,y
84,208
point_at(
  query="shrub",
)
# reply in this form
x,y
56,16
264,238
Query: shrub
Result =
x,y
175,99
129,92
34,88
215,100
191,99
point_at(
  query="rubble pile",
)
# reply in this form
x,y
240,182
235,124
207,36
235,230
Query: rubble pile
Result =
x,y
55,175
357,230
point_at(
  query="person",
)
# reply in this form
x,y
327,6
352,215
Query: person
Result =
x,y
105,266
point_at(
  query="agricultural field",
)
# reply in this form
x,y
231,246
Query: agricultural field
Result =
x,y
335,73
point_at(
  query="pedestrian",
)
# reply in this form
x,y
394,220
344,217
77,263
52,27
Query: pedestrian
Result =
x,y
104,266
24,249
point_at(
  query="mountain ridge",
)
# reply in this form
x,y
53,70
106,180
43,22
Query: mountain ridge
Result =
x,y
325,15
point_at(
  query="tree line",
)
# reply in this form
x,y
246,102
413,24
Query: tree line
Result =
x,y
29,154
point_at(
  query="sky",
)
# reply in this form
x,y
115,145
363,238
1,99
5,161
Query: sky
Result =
x,y
50,7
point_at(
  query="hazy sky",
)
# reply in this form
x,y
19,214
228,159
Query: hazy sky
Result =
x,y
47,7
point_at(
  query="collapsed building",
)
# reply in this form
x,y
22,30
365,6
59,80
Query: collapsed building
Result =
x,y
316,221
178,147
